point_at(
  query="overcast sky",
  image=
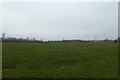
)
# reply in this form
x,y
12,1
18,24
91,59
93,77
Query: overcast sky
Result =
x,y
58,20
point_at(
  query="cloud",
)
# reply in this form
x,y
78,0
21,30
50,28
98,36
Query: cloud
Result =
x,y
60,20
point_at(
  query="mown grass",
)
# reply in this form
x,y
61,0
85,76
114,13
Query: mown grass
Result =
x,y
60,60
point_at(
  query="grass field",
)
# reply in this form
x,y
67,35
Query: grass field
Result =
x,y
60,60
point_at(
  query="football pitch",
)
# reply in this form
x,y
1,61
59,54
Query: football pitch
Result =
x,y
60,60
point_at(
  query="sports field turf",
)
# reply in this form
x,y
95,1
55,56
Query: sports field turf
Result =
x,y
60,60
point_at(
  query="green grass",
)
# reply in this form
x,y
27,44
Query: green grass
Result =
x,y
60,60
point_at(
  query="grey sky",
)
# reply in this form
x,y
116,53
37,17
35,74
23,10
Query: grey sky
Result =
x,y
58,20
